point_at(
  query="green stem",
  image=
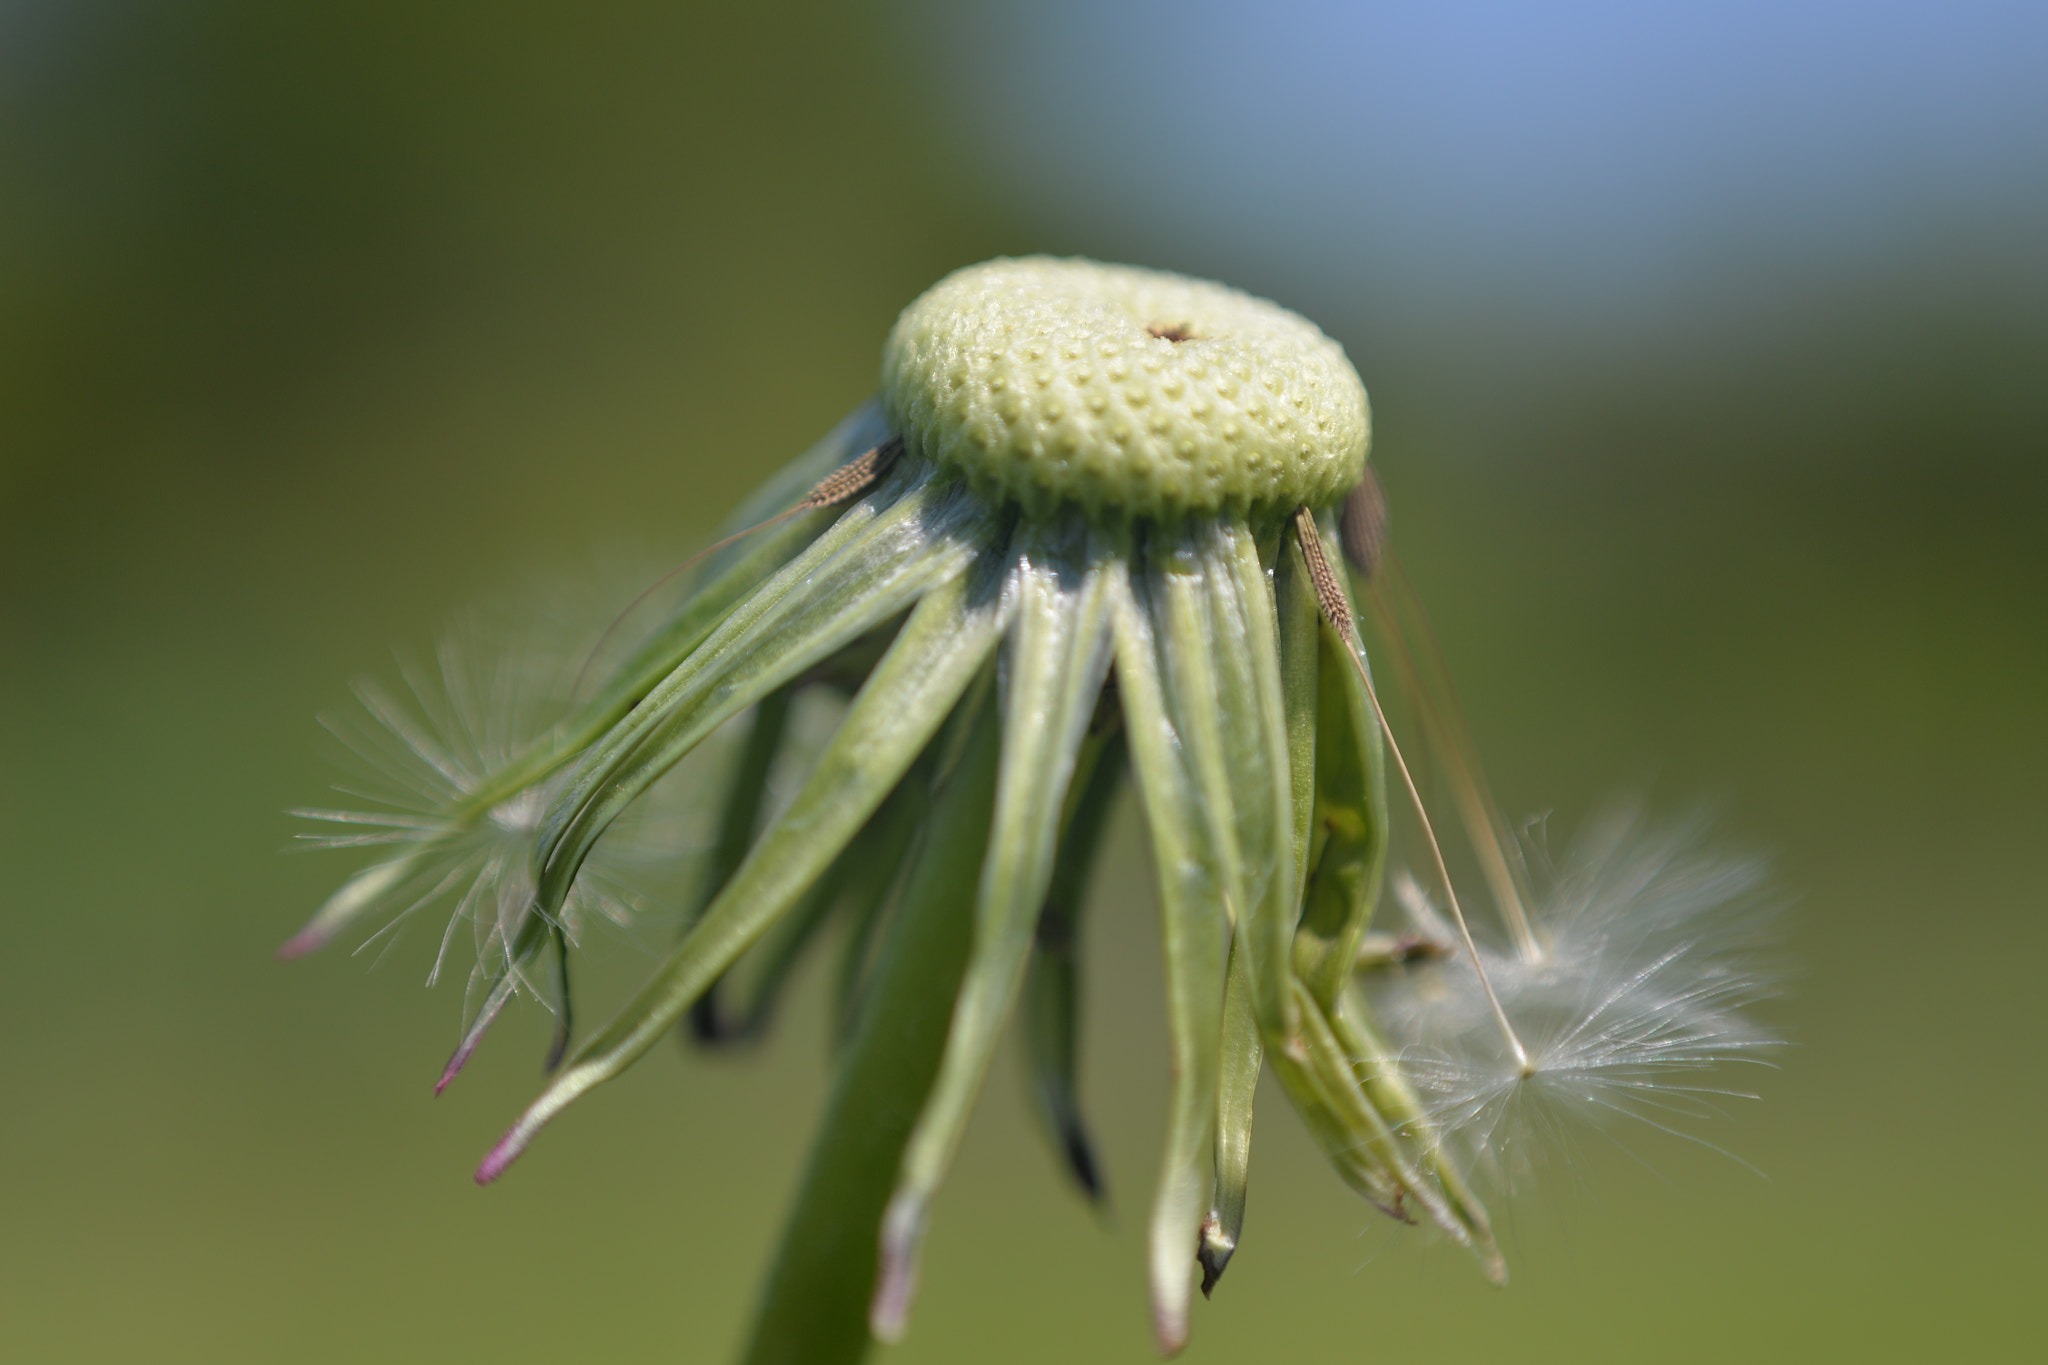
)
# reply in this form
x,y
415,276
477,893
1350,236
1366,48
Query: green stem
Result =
x,y
814,1310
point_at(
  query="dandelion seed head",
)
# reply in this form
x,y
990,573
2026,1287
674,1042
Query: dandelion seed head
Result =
x,y
1113,387
1077,541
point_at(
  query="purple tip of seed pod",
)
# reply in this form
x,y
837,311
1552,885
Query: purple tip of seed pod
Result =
x,y
456,1063
1169,1331
501,1156
303,942
896,1280
467,1047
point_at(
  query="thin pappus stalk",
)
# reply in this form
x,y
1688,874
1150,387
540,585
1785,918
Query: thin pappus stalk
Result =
x,y
1362,535
1330,596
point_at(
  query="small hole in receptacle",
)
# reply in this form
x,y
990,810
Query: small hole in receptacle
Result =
x,y
1179,331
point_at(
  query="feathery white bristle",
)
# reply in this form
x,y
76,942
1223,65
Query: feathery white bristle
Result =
x,y
498,683
1646,973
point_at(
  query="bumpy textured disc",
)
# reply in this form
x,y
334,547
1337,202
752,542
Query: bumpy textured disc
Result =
x,y
1124,391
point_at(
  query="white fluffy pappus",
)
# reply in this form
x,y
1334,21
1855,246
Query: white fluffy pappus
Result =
x,y
499,682
1645,967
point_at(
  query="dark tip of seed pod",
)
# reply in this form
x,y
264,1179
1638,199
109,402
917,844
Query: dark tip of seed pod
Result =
x,y
1362,525
565,1026
1214,1253
1081,1165
707,1023
558,1047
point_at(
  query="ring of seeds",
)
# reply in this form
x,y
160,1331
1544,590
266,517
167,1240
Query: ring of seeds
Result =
x,y
1124,391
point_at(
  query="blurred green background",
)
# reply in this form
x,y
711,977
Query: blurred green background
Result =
x,y
319,321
